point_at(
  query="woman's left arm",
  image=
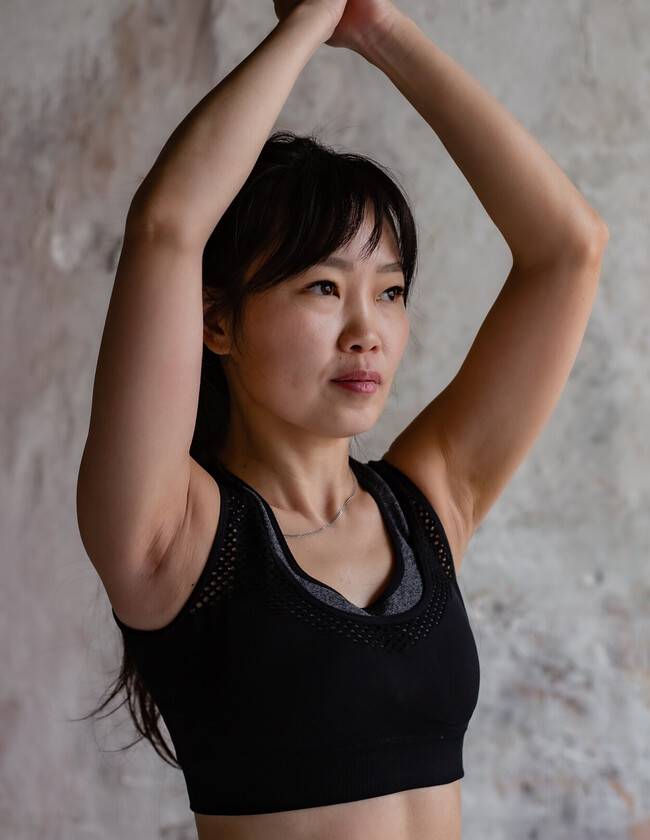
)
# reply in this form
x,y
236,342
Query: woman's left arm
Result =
x,y
468,442
535,206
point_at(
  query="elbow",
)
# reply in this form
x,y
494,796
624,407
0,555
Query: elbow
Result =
x,y
584,245
586,260
592,243
584,249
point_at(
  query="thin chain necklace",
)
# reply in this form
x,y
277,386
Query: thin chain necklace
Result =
x,y
318,530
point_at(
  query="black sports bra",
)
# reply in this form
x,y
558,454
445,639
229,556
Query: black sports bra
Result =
x,y
279,693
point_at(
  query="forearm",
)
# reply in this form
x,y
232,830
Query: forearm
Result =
x,y
213,150
535,206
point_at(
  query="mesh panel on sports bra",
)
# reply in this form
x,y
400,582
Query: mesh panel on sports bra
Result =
x,y
405,588
221,579
249,533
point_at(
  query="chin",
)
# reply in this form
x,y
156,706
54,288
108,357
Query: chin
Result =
x,y
351,428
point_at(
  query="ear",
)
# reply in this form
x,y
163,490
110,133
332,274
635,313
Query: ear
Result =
x,y
215,334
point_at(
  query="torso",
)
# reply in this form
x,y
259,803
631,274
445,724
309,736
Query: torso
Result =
x,y
431,813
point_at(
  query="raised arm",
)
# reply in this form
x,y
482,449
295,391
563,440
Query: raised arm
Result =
x,y
136,473
467,443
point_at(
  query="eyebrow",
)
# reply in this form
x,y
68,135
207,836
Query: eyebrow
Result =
x,y
338,262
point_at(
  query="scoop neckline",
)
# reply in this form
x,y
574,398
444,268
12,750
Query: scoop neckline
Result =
x,y
396,579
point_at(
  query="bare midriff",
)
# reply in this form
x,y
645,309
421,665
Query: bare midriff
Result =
x,y
430,813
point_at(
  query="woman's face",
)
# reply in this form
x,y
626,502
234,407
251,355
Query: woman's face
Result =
x,y
300,336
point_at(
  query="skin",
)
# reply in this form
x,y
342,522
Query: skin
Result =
x,y
147,511
287,416
354,22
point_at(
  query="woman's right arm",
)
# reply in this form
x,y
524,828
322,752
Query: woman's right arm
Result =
x,y
136,476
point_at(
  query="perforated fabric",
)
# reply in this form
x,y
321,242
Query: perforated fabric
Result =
x,y
405,589
279,693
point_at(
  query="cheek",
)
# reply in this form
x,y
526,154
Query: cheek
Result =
x,y
401,333
286,339
407,331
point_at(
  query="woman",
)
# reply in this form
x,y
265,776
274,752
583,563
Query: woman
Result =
x,y
293,613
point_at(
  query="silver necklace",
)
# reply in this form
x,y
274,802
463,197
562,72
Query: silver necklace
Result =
x,y
347,502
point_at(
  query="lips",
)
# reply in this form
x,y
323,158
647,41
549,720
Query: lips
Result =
x,y
360,375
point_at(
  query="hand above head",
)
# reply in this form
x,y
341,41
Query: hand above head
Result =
x,y
354,22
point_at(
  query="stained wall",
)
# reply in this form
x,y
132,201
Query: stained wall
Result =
x,y
556,580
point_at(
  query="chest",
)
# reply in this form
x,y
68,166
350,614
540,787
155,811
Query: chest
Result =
x,y
358,561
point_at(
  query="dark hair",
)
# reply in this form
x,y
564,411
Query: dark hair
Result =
x,y
301,202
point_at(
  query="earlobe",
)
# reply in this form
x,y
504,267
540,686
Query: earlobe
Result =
x,y
216,339
215,336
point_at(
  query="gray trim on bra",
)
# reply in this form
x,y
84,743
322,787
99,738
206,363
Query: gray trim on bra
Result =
x,y
409,590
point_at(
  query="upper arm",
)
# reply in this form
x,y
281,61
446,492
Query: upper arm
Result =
x,y
134,477
465,446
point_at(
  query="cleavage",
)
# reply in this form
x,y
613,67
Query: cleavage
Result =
x,y
357,560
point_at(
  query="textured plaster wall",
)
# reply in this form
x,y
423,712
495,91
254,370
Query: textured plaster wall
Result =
x,y
556,581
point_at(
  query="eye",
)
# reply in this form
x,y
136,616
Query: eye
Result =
x,y
327,284
330,288
396,291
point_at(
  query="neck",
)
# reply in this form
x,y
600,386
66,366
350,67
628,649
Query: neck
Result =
x,y
305,485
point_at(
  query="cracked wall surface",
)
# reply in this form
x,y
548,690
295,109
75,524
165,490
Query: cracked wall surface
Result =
x,y
556,580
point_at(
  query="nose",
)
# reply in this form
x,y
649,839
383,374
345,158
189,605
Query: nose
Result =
x,y
360,331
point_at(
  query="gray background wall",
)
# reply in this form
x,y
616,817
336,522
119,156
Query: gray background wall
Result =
x,y
556,581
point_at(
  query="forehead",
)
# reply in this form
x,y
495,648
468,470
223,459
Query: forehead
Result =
x,y
346,264
386,251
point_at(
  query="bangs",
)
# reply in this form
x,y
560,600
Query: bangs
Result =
x,y
314,203
301,202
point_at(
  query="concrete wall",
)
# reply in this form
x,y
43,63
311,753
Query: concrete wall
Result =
x,y
556,580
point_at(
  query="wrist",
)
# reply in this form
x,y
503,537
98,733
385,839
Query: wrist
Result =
x,y
311,20
387,34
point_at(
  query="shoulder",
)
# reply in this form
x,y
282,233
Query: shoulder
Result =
x,y
445,494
